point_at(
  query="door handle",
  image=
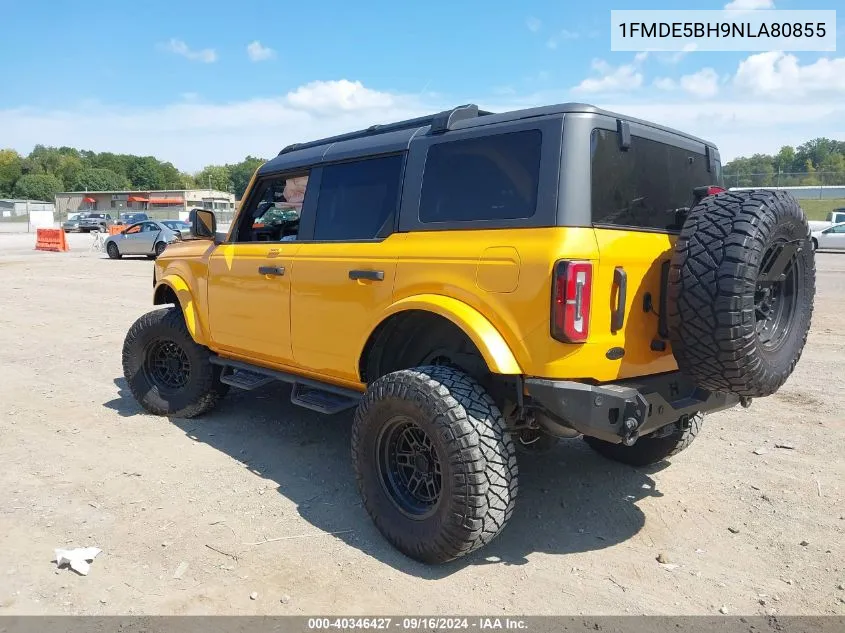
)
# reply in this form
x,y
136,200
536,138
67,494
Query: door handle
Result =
x,y
372,275
620,281
278,271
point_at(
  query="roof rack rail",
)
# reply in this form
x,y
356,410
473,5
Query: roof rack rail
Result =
x,y
440,122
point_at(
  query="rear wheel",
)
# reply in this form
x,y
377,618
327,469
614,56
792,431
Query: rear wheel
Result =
x,y
654,448
434,465
113,251
167,372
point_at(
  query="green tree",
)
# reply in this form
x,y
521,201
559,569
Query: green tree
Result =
x,y
11,168
785,160
99,179
214,177
187,181
241,173
810,170
116,163
70,166
170,177
37,187
144,172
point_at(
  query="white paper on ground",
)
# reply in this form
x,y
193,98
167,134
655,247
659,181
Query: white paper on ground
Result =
x,y
77,558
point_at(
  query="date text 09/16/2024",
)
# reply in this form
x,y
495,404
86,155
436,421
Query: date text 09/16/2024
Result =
x,y
418,623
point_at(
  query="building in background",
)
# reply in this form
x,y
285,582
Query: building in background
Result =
x,y
156,204
10,208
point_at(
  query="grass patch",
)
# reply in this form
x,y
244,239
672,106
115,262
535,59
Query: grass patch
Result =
x,y
818,209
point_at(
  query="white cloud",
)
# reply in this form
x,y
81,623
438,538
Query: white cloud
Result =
x,y
665,83
780,75
613,79
749,5
338,96
564,35
704,83
206,55
259,53
674,58
533,24
192,134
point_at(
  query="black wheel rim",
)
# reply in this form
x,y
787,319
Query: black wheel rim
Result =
x,y
167,365
112,249
776,294
159,248
409,467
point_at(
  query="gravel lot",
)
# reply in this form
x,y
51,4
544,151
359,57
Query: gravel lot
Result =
x,y
747,527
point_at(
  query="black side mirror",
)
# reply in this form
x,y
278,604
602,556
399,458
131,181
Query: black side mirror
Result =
x,y
203,224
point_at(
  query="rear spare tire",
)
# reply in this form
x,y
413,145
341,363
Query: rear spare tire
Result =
x,y
740,291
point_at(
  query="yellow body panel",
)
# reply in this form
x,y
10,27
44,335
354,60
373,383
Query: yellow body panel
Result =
x,y
494,284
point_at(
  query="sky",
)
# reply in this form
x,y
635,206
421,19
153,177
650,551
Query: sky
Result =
x,y
207,82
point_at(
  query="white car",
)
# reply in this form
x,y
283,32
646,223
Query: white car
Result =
x,y
832,238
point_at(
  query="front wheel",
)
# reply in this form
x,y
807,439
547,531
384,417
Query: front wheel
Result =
x,y
435,466
159,248
654,448
167,372
113,251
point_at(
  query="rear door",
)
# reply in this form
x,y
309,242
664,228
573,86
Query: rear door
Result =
x,y
344,269
641,186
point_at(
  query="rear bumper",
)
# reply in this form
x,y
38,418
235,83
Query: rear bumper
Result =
x,y
624,410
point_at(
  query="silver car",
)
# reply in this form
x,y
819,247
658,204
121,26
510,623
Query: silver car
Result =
x,y
832,238
148,238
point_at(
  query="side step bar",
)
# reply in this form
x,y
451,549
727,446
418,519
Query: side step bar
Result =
x,y
311,394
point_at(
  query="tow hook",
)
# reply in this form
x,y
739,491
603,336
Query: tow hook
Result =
x,y
631,433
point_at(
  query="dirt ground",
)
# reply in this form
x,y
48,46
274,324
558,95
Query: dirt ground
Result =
x,y
182,508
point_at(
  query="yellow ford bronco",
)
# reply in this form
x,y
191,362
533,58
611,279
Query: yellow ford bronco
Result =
x,y
478,285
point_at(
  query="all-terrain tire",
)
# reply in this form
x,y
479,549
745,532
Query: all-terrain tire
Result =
x,y
161,329
716,278
651,450
476,457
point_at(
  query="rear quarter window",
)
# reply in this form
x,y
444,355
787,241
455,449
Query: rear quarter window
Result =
x,y
646,187
486,178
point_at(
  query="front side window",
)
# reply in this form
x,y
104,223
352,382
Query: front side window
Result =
x,y
489,178
273,214
358,200
650,185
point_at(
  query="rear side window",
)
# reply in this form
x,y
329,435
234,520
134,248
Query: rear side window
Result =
x,y
487,178
647,185
358,200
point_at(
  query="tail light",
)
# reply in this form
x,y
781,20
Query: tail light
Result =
x,y
571,288
700,193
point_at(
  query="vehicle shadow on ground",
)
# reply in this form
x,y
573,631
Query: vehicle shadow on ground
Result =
x,y
570,499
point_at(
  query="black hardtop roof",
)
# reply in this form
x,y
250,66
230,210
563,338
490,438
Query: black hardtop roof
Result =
x,y
396,136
